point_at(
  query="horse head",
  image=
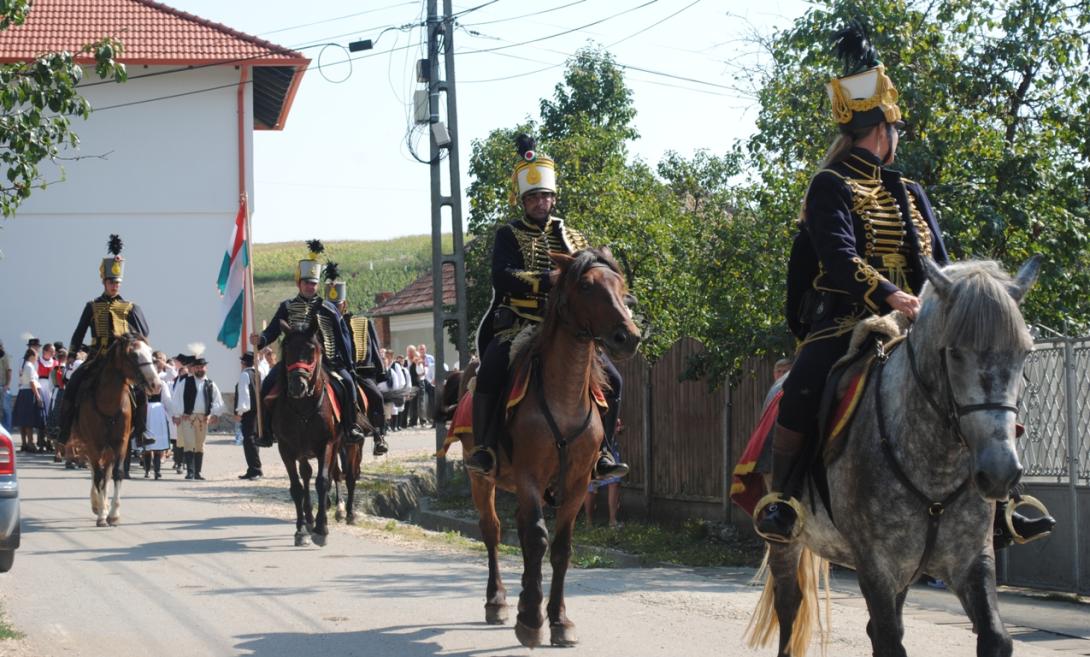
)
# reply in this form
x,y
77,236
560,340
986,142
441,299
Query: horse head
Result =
x,y
591,298
301,355
971,329
132,355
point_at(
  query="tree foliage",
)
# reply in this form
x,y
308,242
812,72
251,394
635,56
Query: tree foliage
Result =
x,y
37,99
996,97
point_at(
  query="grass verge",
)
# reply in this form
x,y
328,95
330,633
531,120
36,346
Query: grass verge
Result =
x,y
7,632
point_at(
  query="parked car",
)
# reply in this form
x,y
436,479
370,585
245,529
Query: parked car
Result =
x,y
9,502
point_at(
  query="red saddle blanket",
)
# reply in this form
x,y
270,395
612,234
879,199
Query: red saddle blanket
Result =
x,y
463,413
747,485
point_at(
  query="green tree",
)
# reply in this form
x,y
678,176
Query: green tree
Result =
x,y
37,99
996,97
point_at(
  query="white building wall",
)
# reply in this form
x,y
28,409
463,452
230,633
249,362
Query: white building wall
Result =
x,y
167,183
418,329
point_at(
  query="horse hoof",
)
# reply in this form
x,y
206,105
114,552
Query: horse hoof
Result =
x,y
495,614
302,539
113,522
528,636
100,523
350,519
338,515
562,635
320,539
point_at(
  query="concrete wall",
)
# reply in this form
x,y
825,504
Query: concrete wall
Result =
x,y
1047,563
167,182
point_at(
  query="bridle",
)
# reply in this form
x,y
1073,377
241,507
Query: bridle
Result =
x,y
311,371
583,332
952,415
954,411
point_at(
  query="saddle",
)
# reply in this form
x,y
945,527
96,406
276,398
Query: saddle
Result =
x,y
873,339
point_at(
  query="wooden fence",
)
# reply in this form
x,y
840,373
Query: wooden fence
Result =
x,y
682,438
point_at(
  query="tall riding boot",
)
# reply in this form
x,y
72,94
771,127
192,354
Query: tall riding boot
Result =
x,y
607,466
1024,529
157,461
379,423
198,463
485,433
777,521
266,438
179,456
146,462
352,433
68,415
189,465
140,419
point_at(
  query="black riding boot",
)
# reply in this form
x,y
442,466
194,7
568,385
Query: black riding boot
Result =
x,y
353,435
266,438
607,466
140,418
485,433
1025,529
179,458
379,423
158,463
146,462
198,463
777,521
189,465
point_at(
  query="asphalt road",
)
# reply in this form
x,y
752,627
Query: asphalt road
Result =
x,y
201,568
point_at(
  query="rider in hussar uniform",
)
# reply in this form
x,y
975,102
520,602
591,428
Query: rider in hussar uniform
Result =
x,y
337,351
863,231
521,280
108,317
368,366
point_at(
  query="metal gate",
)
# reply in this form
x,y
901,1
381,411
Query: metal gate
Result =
x,y
1055,451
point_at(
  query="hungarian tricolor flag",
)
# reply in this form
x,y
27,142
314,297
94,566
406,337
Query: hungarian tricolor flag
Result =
x,y
232,281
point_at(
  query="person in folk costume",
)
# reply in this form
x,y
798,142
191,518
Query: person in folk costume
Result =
x,y
863,231
246,413
194,400
305,307
177,452
108,317
522,275
159,420
368,367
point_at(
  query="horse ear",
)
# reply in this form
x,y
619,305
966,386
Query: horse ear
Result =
x,y
1026,277
940,281
561,260
607,252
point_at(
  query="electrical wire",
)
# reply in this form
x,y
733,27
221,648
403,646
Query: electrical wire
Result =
x,y
559,34
654,25
338,18
535,13
473,9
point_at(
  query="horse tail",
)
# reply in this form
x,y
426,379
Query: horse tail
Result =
x,y
812,573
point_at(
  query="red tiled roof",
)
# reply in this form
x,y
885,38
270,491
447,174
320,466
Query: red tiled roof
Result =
x,y
417,296
152,33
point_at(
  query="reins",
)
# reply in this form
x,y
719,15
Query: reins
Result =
x,y
562,442
316,379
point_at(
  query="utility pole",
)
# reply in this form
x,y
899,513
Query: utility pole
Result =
x,y
445,136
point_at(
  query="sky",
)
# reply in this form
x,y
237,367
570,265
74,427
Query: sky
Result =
x,y
341,170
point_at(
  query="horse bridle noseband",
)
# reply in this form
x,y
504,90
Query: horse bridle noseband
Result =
x,y
309,368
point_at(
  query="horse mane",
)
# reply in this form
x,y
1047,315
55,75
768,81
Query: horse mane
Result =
x,y
583,260
980,312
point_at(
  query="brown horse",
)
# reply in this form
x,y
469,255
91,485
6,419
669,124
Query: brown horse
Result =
x,y
103,421
346,471
555,436
304,424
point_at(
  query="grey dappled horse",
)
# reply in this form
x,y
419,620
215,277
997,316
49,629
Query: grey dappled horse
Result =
x,y
949,428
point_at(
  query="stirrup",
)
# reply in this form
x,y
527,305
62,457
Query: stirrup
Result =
x,y
474,468
778,498
1012,507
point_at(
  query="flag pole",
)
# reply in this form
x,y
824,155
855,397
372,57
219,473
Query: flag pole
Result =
x,y
248,283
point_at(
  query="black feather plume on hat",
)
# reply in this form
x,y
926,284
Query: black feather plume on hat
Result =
x,y
114,245
316,247
524,144
853,48
331,273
